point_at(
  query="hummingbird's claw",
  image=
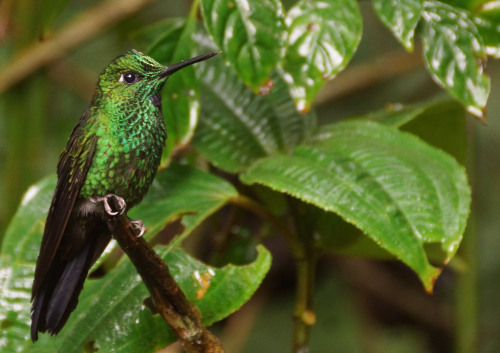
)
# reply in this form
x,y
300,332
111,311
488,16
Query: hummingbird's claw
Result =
x,y
113,204
138,227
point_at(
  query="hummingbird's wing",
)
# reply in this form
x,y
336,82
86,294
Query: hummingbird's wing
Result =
x,y
72,169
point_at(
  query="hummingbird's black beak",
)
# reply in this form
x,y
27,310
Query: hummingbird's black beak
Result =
x,y
170,69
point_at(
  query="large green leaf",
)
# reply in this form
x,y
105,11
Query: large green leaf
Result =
x,y
112,315
400,191
401,17
180,95
17,265
118,296
454,53
238,127
322,37
249,32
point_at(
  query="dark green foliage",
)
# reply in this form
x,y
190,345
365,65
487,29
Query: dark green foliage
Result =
x,y
248,158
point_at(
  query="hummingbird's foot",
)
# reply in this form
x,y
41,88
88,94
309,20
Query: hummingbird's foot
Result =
x,y
113,204
138,227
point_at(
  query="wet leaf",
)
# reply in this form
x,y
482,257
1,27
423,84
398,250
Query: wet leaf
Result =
x,y
454,54
401,17
399,191
238,127
111,312
249,34
176,190
490,32
322,37
20,249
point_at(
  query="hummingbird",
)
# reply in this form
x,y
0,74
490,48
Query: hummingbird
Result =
x,y
115,148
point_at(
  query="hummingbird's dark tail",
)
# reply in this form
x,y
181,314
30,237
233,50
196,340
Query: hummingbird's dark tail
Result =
x,y
58,296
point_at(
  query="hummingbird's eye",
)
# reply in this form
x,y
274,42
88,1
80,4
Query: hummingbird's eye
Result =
x,y
130,78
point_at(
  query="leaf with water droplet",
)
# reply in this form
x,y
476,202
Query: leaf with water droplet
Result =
x,y
401,17
490,32
112,306
239,127
322,37
398,190
455,54
249,33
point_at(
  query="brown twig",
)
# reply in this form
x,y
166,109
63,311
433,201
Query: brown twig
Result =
x,y
82,29
180,314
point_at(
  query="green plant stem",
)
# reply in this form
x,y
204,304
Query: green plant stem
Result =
x,y
304,316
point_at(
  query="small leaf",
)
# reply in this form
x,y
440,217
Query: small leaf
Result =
x,y
454,54
249,33
180,95
490,32
322,37
238,127
400,191
397,115
147,36
401,17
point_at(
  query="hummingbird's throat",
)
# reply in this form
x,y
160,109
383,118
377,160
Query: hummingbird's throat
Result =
x,y
156,99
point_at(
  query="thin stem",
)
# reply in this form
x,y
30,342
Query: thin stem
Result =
x,y
304,316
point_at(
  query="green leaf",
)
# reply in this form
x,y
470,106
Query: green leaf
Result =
x,y
322,37
454,54
490,32
238,127
177,190
398,190
112,315
443,125
401,17
249,33
397,115
180,95
17,265
154,33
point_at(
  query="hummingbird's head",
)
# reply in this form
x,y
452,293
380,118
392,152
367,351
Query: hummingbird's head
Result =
x,y
134,75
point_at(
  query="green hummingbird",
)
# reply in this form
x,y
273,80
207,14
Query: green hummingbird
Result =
x,y
115,149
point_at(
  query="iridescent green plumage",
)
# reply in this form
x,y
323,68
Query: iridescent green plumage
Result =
x,y
115,148
130,128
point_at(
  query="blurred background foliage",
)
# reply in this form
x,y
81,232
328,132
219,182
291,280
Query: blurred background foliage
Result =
x,y
372,306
